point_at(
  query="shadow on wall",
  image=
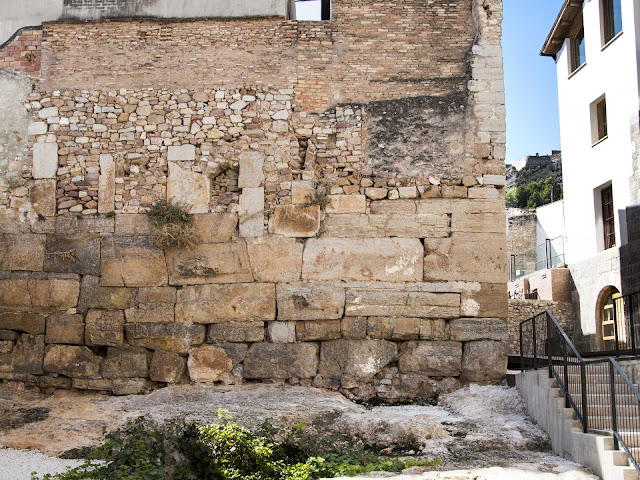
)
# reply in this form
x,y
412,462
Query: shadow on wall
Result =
x,y
630,254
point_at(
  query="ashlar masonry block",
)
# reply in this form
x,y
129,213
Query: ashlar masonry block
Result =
x,y
251,212
45,160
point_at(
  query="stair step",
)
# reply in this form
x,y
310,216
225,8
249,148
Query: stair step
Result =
x,y
630,473
620,458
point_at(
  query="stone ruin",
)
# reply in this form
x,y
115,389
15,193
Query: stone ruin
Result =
x,y
345,180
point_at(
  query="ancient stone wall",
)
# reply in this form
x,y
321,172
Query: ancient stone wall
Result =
x,y
345,184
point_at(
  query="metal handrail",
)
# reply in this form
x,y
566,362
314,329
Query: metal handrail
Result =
x,y
544,344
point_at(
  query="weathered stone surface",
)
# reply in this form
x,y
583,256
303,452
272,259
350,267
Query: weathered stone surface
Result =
x,y
92,295
431,358
236,332
36,295
339,204
375,193
27,322
298,221
373,259
396,303
151,313
104,327
498,180
99,384
281,360
215,227
433,329
251,212
126,362
106,184
393,328
22,252
133,224
484,361
26,357
301,192
76,253
185,187
310,301
281,332
43,197
14,295
226,303
64,225
37,128
178,153
209,263
465,256
208,364
489,300
251,173
132,262
156,295
318,330
395,207
387,225
408,192
71,361
45,160
354,328
171,338
275,259
130,386
453,206
484,192
167,367
356,358
468,329
478,222
65,328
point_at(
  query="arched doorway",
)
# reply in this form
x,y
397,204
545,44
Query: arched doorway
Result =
x,y
612,321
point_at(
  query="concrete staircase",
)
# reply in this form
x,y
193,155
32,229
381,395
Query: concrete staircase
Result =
x,y
546,405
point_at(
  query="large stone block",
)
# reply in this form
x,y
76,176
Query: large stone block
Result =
x,y
92,295
188,188
356,358
209,263
43,197
14,294
168,337
54,294
27,322
84,224
393,328
387,225
370,259
26,357
341,204
151,313
281,360
215,227
133,224
396,303
65,328
251,169
310,301
281,332
208,364
275,259
132,262
318,330
488,300
251,212
459,206
177,153
126,362
45,160
77,253
468,329
167,367
106,184
434,359
72,361
104,327
484,361
22,252
478,222
465,256
226,303
298,221
236,332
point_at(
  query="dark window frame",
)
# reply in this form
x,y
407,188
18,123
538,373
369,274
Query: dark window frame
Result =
x,y
608,218
612,25
578,55
601,117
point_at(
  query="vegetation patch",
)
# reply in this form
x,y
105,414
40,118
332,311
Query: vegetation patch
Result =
x,y
142,450
172,225
535,194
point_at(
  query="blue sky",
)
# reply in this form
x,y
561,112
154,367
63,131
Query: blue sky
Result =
x,y
530,80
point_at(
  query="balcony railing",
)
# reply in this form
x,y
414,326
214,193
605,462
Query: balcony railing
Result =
x,y
550,254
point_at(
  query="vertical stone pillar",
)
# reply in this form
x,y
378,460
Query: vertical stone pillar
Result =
x,y
106,184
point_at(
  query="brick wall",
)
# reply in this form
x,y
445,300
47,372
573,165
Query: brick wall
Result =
x,y
22,53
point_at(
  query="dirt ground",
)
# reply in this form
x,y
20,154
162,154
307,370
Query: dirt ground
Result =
x,y
479,433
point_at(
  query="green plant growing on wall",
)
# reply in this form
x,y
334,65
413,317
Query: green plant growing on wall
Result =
x,y
172,225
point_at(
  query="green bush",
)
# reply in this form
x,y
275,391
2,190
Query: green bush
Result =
x,y
223,451
535,194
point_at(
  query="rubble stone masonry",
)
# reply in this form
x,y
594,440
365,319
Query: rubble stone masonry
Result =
x,y
345,181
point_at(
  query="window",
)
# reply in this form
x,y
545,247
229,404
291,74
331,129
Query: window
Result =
x,y
613,327
611,19
599,123
578,53
608,218
306,10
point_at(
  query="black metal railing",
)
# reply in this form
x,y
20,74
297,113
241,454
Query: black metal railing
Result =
x,y
626,325
599,391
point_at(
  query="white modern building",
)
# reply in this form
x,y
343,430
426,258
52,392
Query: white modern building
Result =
x,y
596,46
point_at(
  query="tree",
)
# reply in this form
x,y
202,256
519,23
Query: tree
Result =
x,y
535,194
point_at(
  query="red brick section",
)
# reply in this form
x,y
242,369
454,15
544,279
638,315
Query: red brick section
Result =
x,y
22,54
371,50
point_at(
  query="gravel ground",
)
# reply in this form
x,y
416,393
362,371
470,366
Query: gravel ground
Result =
x,y
18,464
